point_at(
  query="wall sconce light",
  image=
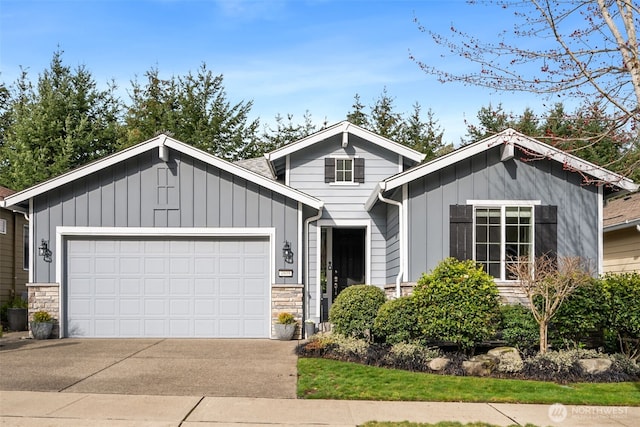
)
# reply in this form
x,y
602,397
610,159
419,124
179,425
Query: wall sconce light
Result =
x,y
44,250
287,253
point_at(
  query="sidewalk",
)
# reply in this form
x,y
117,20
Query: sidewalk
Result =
x,y
23,408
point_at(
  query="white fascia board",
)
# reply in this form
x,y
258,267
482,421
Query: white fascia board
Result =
x,y
342,127
245,174
510,136
166,231
373,197
575,163
306,142
435,165
81,172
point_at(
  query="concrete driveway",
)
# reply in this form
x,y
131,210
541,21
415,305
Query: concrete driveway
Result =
x,y
178,367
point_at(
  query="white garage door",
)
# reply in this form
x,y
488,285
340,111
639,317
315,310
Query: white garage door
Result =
x,y
167,288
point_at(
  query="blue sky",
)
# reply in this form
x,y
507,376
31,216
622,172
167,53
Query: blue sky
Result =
x,y
287,56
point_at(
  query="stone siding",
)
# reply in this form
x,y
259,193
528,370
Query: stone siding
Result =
x,y
287,298
45,297
510,293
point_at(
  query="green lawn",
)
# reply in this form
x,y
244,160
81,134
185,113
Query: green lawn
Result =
x,y
330,379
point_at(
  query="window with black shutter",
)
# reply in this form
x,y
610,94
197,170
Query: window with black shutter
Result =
x,y
343,170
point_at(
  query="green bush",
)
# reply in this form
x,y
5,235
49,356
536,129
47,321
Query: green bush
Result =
x,y
397,321
355,309
580,317
623,295
519,328
457,302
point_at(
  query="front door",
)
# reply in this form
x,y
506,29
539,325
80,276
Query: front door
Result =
x,y
343,251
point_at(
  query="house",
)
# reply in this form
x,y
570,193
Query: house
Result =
x,y
14,251
164,240
622,234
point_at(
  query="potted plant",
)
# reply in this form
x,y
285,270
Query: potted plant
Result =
x,y
17,314
42,325
285,326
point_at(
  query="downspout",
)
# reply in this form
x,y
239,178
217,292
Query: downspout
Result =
x,y
306,252
400,233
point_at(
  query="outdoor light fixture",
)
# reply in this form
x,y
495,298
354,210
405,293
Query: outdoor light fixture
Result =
x,y
44,250
287,253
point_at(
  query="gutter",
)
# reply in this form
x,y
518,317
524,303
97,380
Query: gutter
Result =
x,y
400,243
623,225
307,222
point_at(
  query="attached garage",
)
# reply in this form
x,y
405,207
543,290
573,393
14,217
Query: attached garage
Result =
x,y
178,287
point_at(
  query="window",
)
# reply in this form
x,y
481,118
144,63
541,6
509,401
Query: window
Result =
x,y
25,247
344,170
503,234
493,233
3,226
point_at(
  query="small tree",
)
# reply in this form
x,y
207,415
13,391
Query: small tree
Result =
x,y
546,284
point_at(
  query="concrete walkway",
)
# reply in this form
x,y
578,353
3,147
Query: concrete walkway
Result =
x,y
22,408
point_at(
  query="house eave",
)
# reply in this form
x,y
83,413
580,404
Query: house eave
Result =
x,y
161,140
622,225
513,137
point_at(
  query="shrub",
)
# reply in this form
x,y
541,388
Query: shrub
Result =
x,y
355,309
42,316
623,294
286,318
410,356
581,316
519,328
396,321
457,302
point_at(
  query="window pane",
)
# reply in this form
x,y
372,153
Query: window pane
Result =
x,y
494,252
494,270
525,234
481,252
494,234
494,216
481,234
511,233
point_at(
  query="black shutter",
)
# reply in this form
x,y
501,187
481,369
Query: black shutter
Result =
x,y
461,231
546,229
358,169
329,169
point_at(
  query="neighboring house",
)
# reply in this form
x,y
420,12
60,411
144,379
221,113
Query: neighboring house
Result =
x,y
164,240
14,251
622,234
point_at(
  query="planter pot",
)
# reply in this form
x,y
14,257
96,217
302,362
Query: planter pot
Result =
x,y
309,329
17,319
41,330
285,332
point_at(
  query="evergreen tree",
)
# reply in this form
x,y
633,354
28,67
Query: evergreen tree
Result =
x,y
425,137
285,132
384,120
62,123
357,116
194,109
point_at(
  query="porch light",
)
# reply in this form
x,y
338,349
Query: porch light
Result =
x,y
287,253
44,250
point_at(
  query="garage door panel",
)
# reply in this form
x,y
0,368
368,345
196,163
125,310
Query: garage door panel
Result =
x,y
161,288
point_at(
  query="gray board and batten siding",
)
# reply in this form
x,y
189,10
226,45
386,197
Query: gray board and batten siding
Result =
x,y
345,202
144,191
485,177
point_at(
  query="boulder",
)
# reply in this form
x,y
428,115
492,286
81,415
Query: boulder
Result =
x,y
438,364
595,366
509,359
480,366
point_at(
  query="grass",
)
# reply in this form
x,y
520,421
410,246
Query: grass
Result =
x,y
330,379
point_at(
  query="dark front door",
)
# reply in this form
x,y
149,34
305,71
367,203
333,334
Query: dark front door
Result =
x,y
348,258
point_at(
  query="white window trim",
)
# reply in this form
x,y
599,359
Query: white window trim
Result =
x,y
3,226
503,204
351,183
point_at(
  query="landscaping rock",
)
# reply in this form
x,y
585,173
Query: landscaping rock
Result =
x,y
438,364
480,366
509,359
595,366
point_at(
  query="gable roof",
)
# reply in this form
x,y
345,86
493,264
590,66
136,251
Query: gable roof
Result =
x,y
159,142
259,165
5,192
508,138
345,127
622,212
